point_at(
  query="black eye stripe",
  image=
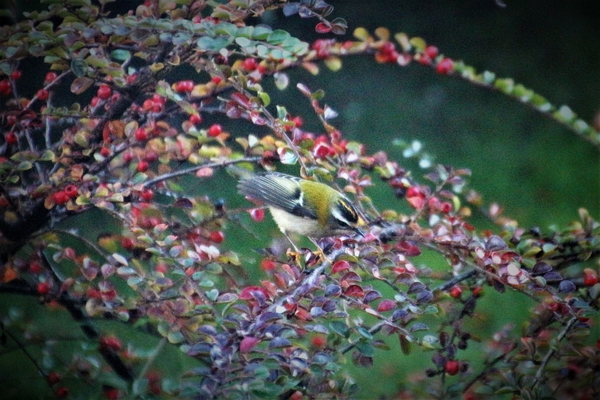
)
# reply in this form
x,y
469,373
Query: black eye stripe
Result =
x,y
347,211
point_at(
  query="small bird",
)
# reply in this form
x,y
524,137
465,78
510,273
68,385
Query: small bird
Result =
x,y
301,206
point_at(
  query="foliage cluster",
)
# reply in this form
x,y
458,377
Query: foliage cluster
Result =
x,y
114,130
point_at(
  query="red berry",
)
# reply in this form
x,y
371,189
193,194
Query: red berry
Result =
x,y
477,291
323,150
71,191
249,64
452,367
215,130
424,59
455,292
16,74
104,92
111,342
11,138
217,237
216,80
318,341
35,267
147,194
297,395
42,94
127,243
150,156
141,134
110,393
590,279
414,191
143,166
184,86
257,214
105,152
157,106
53,377
69,253
267,264
95,101
298,121
60,197
62,392
431,52
5,87
148,105
162,268
195,119
387,48
50,77
127,157
445,66
44,288
446,207
157,98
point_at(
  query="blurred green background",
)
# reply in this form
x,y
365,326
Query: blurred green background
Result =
x,y
539,171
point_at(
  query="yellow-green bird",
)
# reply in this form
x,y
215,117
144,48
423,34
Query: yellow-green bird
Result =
x,y
301,206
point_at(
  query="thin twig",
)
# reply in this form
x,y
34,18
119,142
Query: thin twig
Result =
x,y
551,352
190,170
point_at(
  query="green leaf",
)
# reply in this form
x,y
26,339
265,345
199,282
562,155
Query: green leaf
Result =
x,y
120,55
175,337
281,80
281,112
226,28
431,310
261,32
364,332
365,348
79,67
180,38
318,95
340,328
24,166
262,51
264,98
244,32
277,37
47,155
339,26
243,42
429,341
287,156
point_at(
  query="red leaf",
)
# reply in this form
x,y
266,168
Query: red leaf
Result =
x,y
354,291
322,28
248,343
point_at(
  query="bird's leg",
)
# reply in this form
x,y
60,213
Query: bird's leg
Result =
x,y
295,255
320,253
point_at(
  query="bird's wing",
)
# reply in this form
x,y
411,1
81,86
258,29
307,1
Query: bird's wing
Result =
x,y
277,190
